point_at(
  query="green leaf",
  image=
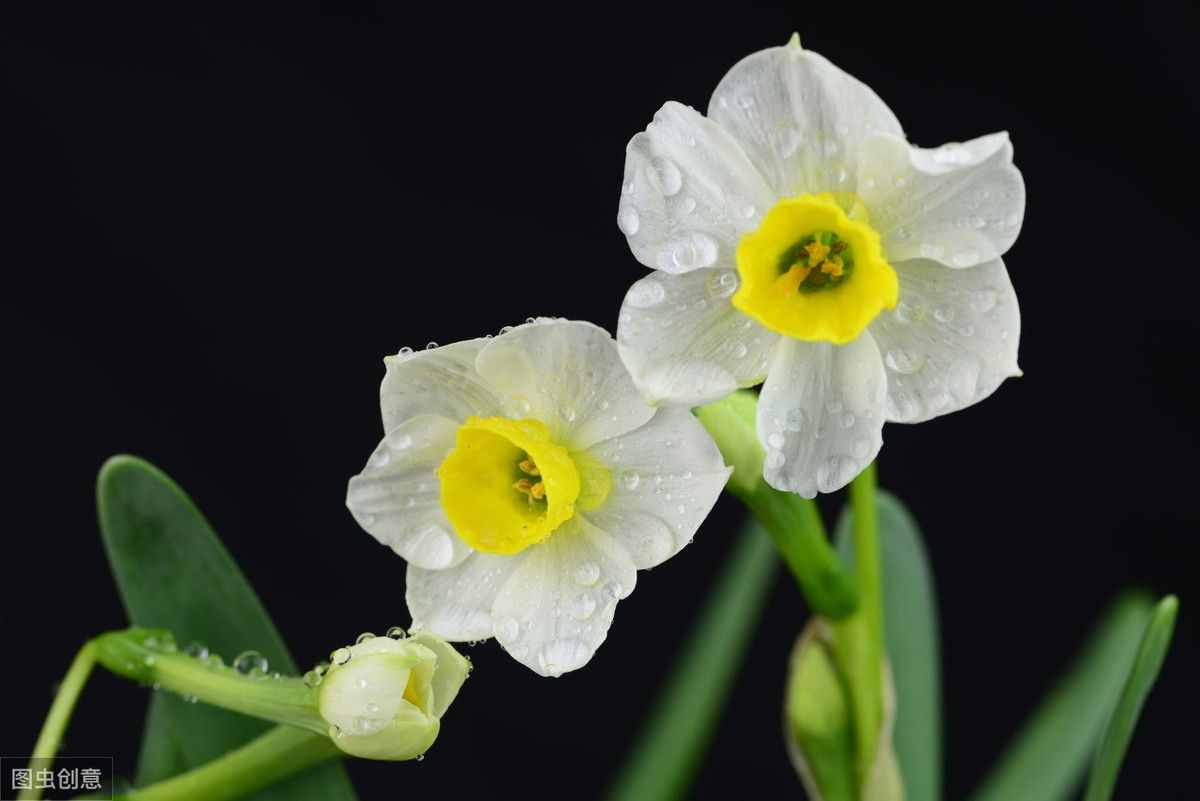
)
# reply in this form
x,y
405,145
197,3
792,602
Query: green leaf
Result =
x,y
912,647
1119,731
173,573
1046,761
668,751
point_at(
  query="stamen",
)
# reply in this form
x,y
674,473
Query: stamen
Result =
x,y
537,491
816,253
833,266
527,466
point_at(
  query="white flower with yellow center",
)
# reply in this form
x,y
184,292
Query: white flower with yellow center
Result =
x,y
526,481
797,238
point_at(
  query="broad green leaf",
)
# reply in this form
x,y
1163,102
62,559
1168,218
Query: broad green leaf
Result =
x,y
1046,760
173,573
665,756
910,624
1119,731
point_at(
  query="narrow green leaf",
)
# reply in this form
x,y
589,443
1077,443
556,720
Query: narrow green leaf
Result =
x,y
173,573
1119,731
666,754
1046,761
910,624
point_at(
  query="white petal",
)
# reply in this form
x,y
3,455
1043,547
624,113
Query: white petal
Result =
x,y
951,340
456,603
689,193
567,375
685,343
666,477
799,118
555,609
959,204
440,381
820,415
396,496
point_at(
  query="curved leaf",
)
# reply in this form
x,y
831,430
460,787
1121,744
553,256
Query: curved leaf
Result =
x,y
913,646
1119,731
173,573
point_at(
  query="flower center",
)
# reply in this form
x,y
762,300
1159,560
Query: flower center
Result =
x,y
812,271
506,485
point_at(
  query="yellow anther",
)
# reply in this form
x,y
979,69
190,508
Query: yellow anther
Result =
x,y
794,277
816,253
523,486
527,466
833,266
537,491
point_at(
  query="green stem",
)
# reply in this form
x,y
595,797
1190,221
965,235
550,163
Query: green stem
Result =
x,y
858,639
281,752
794,524
150,657
50,738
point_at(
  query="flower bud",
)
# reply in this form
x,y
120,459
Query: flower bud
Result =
x,y
819,729
383,698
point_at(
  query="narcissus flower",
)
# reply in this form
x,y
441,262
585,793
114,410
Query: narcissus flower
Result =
x,y
525,481
384,697
798,238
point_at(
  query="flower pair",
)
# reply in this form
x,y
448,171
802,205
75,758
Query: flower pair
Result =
x,y
797,239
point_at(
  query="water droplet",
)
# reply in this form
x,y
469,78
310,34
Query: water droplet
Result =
x,y
396,632
405,352
952,154
364,637
930,250
506,630
901,361
776,440
312,678
666,175
795,420
251,663
688,205
984,300
430,345
943,314
646,294
848,420
775,459
399,440
628,221
721,284
582,606
197,651
966,258
630,479
587,574
340,657
689,253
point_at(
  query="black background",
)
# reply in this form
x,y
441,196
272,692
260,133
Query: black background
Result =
x,y
215,226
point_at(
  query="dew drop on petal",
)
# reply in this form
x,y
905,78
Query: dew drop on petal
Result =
x,y
586,574
646,293
628,221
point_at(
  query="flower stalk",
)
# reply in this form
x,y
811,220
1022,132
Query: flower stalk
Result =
x,y
279,753
794,523
151,657
68,693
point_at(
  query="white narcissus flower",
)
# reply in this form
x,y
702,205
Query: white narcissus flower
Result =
x,y
797,238
384,697
526,481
